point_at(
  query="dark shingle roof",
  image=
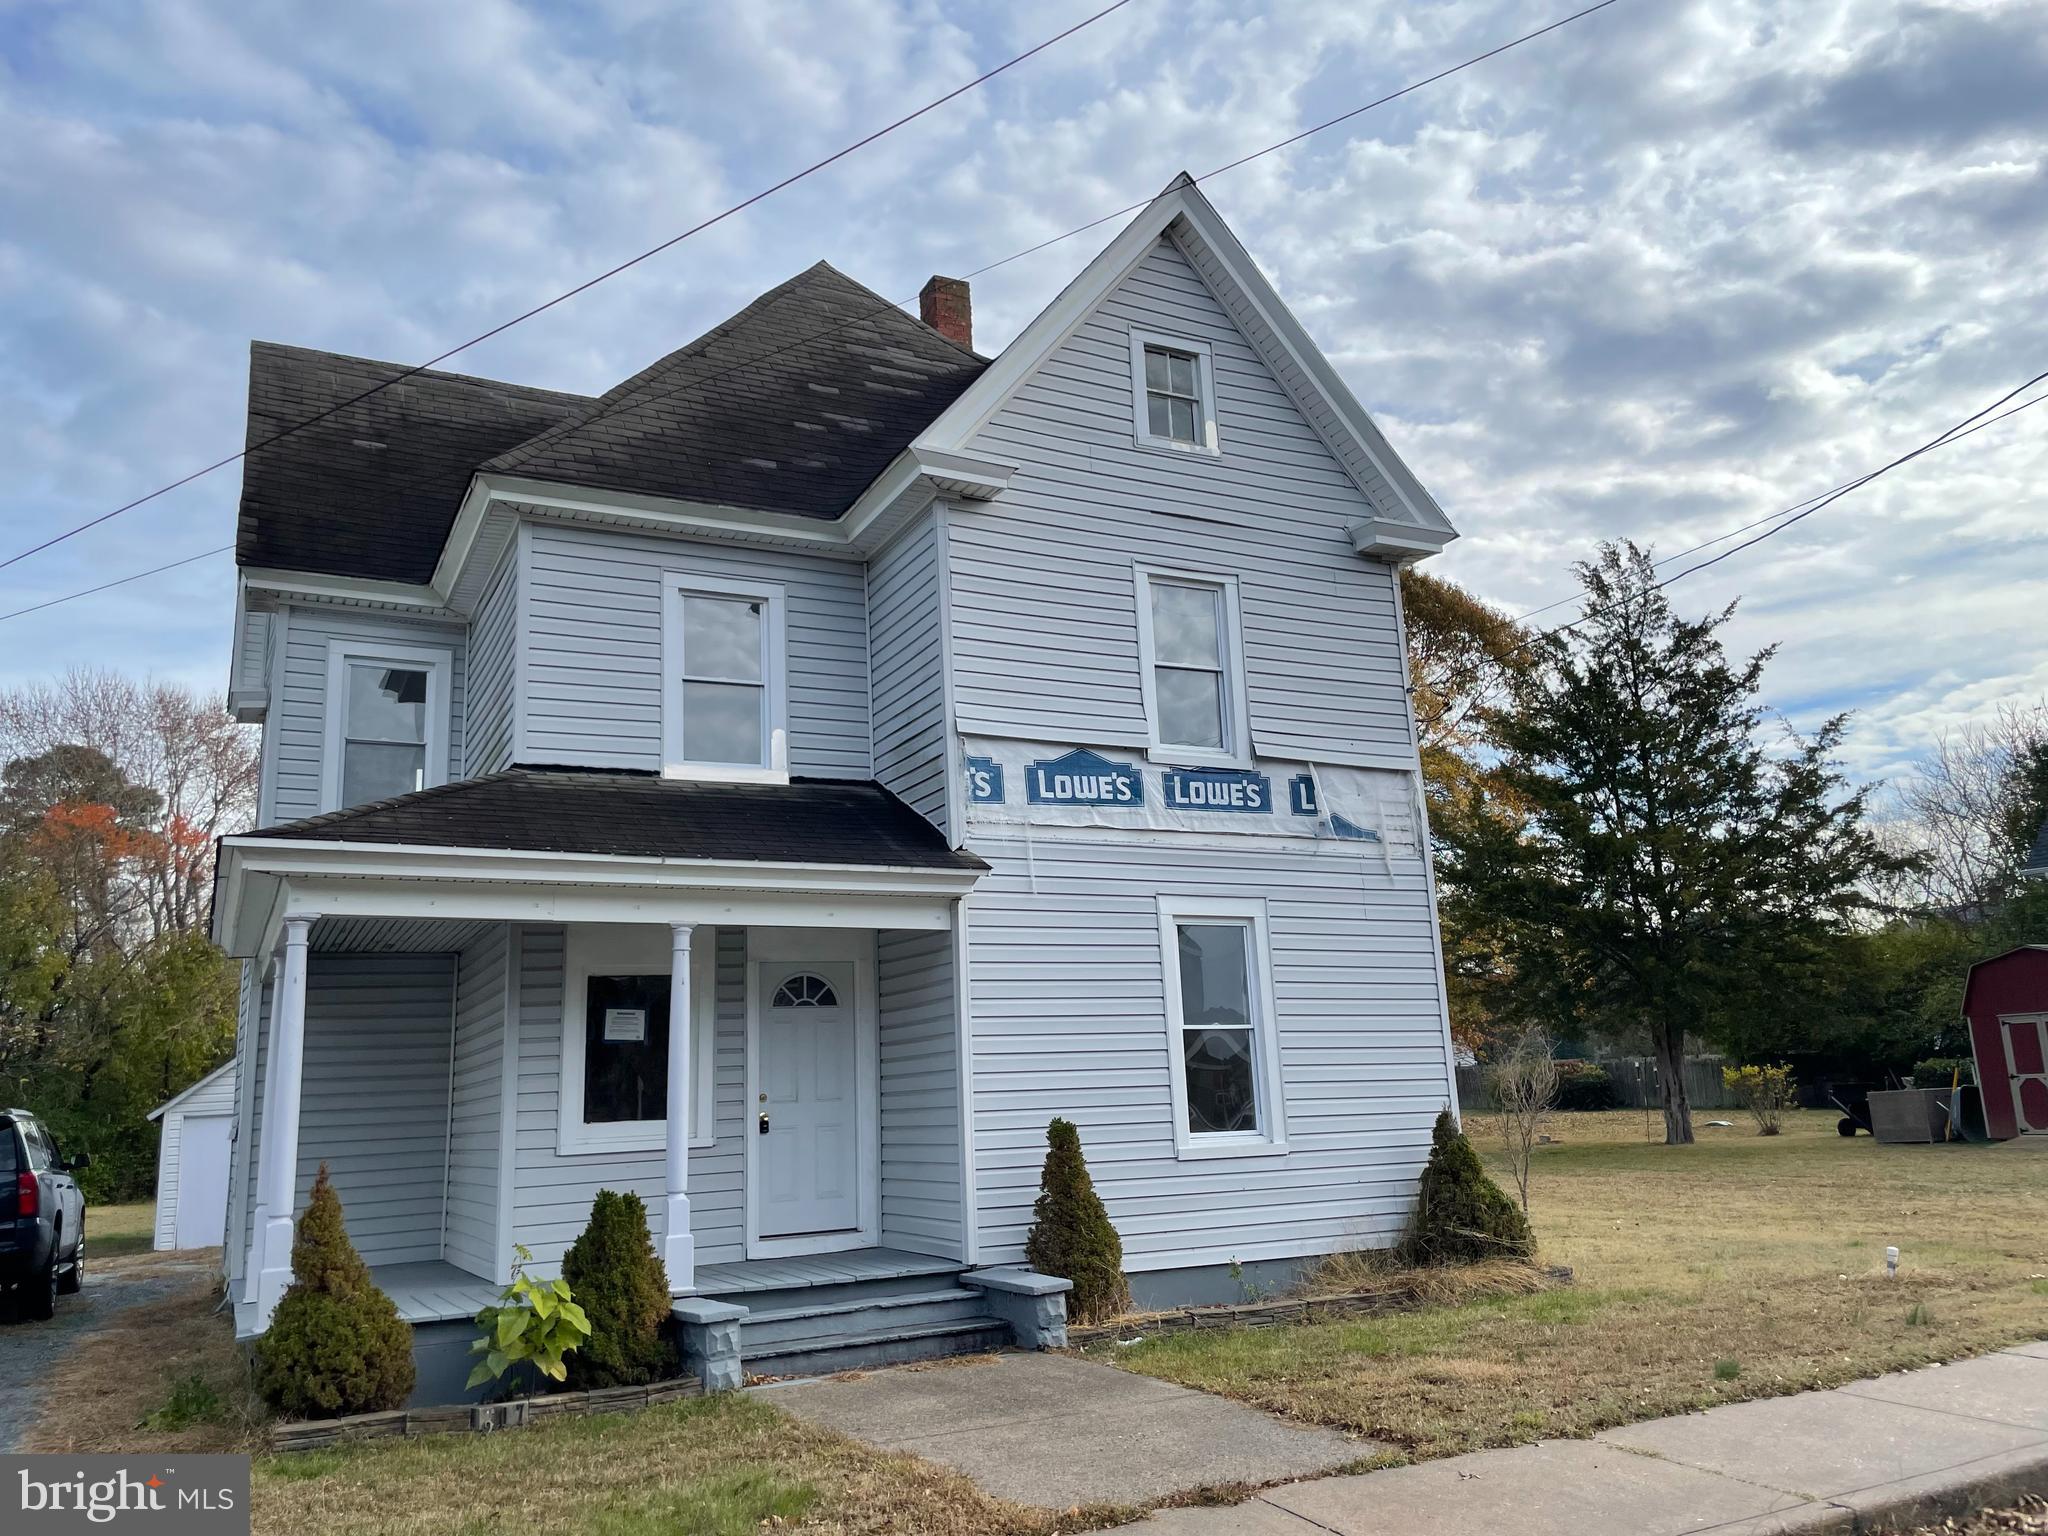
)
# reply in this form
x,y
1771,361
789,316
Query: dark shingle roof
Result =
x,y
371,490
820,383
639,815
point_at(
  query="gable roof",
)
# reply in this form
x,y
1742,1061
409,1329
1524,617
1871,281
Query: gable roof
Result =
x,y
819,384
371,490
1182,213
179,1098
645,816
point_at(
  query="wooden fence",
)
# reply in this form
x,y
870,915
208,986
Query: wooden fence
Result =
x,y
1638,1083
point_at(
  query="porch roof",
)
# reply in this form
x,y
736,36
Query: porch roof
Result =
x,y
642,815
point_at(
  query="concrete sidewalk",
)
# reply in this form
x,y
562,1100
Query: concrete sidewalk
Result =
x,y
1872,1455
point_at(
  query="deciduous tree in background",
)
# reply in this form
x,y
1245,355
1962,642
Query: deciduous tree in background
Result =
x,y
1666,870
1523,1083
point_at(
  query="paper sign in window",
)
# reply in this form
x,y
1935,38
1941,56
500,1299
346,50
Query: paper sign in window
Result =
x,y
626,1024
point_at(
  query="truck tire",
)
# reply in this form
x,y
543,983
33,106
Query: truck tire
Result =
x,y
39,1295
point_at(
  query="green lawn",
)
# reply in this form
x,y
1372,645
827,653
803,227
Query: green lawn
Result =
x,y
1741,1267
115,1231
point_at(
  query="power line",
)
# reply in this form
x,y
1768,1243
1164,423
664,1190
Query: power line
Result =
x,y
118,581
567,294
702,380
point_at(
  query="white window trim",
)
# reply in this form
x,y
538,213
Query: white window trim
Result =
x,y
341,654
1271,1138
1237,746
635,950
1211,445
675,586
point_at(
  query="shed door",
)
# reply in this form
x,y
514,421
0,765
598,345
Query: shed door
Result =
x,y
2026,1059
202,1180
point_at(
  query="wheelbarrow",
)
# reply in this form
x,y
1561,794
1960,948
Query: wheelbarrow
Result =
x,y
1853,1100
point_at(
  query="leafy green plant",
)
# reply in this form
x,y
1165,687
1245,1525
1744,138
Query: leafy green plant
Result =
x,y
1585,1086
1766,1092
192,1401
622,1287
535,1321
336,1344
1461,1216
1071,1235
1940,1071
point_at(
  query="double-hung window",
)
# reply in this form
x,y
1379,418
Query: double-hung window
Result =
x,y
387,722
1173,393
1193,682
1222,1046
725,710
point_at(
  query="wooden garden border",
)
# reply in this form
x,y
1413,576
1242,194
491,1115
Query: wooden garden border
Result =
x,y
475,1418
1266,1314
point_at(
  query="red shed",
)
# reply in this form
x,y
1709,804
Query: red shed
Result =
x,y
2006,1002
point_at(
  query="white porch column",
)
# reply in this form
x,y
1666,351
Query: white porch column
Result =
x,y
277,1177
252,1246
679,1248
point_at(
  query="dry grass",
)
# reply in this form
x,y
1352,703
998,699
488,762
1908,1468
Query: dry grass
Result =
x,y
2028,1519
114,1231
164,1376
169,1377
1745,1266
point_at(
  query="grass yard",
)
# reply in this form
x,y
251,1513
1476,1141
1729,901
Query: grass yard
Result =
x,y
168,1378
115,1231
1745,1266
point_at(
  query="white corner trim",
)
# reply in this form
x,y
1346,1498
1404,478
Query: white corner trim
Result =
x,y
1237,752
1271,1138
439,663
641,950
1211,444
774,765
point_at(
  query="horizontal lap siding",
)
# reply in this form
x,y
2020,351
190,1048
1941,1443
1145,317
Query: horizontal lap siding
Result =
x,y
552,1193
1044,611
1070,1020
909,667
474,1096
920,1083
299,717
373,1101
593,648
216,1098
493,647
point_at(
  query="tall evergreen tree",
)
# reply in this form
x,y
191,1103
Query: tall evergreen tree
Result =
x,y
1667,867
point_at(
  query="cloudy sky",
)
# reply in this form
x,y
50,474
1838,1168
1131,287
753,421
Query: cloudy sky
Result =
x,y
1661,273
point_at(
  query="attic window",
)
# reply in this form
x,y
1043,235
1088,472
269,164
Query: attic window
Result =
x,y
1173,394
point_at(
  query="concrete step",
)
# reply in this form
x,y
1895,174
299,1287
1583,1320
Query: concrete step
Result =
x,y
867,1351
831,1316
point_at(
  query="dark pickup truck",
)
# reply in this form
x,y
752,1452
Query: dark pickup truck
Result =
x,y
42,1216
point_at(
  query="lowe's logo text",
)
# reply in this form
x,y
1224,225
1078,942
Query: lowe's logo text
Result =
x,y
1218,789
1082,777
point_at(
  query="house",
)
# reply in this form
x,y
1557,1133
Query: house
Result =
x,y
192,1162
2036,862
782,785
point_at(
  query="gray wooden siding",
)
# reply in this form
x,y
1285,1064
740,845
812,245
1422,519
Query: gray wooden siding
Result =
x,y
552,1193
592,662
493,656
470,1226
1043,606
907,651
920,1086
374,1101
1069,1020
299,717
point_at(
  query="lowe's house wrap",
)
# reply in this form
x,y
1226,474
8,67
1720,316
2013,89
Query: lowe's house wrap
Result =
x,y
1019,782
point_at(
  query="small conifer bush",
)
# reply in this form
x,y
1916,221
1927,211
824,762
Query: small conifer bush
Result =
x,y
1461,1216
622,1286
1071,1236
335,1345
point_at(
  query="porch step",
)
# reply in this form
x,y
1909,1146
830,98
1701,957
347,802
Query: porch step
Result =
x,y
788,1298
888,1345
829,1320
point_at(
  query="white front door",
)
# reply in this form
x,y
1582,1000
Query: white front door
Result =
x,y
807,1110
202,1180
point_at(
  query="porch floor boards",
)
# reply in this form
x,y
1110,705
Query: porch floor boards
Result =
x,y
431,1291
819,1269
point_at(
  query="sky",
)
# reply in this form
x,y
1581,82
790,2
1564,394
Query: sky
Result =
x,y
1668,270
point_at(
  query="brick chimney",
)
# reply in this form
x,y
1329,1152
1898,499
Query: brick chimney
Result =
x,y
947,308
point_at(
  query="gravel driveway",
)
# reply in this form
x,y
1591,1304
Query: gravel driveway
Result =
x,y
30,1351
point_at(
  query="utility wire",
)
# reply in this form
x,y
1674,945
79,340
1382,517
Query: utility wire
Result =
x,y
855,320
118,581
563,297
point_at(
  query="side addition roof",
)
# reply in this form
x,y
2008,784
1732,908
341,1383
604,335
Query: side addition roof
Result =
x,y
372,489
